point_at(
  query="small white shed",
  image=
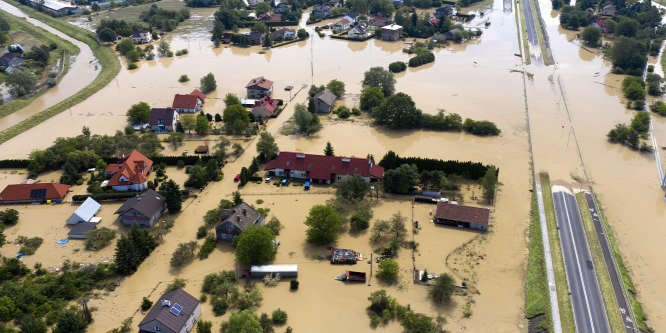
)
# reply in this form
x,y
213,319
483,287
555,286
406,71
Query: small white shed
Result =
x,y
285,271
85,212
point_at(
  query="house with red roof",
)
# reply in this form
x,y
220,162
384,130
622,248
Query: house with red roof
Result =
x,y
130,173
342,25
323,169
187,103
601,24
259,87
199,94
36,192
265,108
270,17
462,216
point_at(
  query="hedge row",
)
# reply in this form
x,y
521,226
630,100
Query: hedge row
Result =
x,y
116,195
270,24
353,39
170,160
288,42
421,59
466,169
14,164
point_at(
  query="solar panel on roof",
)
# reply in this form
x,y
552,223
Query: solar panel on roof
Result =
x,y
176,309
37,193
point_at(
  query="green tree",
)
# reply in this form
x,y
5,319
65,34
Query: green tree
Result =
x,y
442,289
7,308
302,33
255,246
236,117
358,222
207,83
126,45
139,113
591,35
380,78
388,271
212,217
323,225
397,112
21,82
274,225
352,188
146,304
220,148
176,139
95,8
32,324
9,216
328,151
174,199
262,8
204,326
371,97
245,321
279,317
627,27
260,26
107,35
203,126
401,179
163,48
336,87
266,146
184,254
188,121
489,182
71,321
97,239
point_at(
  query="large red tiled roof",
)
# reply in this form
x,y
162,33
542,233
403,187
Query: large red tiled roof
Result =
x,y
267,102
184,101
135,167
198,93
324,167
260,82
461,213
26,192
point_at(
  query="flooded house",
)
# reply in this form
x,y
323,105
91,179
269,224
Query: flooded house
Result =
x,y
187,103
321,168
259,87
12,59
140,36
143,210
283,34
175,312
163,120
445,11
462,216
265,108
324,101
392,32
270,17
342,25
256,38
130,173
86,212
608,10
36,192
359,31
377,22
237,219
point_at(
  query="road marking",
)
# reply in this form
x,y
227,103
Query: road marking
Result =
x,y
580,272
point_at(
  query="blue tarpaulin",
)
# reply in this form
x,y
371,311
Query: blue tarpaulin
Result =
x,y
63,241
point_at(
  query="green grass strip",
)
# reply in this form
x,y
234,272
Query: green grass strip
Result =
x,y
44,37
542,42
526,46
607,292
537,296
107,59
636,307
562,286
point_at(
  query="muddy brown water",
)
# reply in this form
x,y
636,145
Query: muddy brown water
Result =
x,y
82,71
624,180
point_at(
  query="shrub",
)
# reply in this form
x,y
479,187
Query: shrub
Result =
x,y
421,59
176,284
9,216
146,304
202,232
482,127
388,270
183,254
397,67
343,112
219,306
207,247
358,222
183,78
279,317
293,284
132,65
29,245
97,239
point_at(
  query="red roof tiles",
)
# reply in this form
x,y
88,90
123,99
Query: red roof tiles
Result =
x,y
34,192
459,213
184,101
134,167
324,167
260,82
198,93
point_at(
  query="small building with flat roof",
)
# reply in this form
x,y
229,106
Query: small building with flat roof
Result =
x,y
285,271
462,216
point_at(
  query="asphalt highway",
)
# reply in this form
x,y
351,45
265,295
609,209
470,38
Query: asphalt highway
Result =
x,y
587,304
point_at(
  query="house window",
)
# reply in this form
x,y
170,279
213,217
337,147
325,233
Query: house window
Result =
x,y
157,328
229,227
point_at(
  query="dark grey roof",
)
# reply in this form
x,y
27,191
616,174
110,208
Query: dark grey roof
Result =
x,y
147,203
81,228
243,216
165,114
162,313
225,213
9,56
326,96
353,15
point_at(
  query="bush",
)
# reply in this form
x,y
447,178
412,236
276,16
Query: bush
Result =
x,y
9,216
482,127
202,232
176,284
132,65
293,284
146,304
97,239
421,59
183,254
208,247
279,317
359,222
397,67
183,78
388,270
219,306
343,112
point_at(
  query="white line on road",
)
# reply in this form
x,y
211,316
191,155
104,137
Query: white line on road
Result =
x,y
580,272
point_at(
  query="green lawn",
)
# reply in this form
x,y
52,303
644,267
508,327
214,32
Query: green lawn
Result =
x,y
526,47
107,59
607,292
536,285
564,303
542,42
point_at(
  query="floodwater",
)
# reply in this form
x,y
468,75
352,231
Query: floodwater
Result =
x,y
83,69
476,80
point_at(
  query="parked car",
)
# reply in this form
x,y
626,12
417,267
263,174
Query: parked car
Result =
x,y
268,179
237,178
284,182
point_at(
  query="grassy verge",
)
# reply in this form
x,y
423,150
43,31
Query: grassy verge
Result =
x,y
663,62
537,298
44,37
107,59
542,42
607,292
521,26
636,307
562,286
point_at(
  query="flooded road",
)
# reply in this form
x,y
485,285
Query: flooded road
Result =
x,y
476,80
82,71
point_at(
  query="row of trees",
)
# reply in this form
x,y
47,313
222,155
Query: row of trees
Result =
x,y
164,19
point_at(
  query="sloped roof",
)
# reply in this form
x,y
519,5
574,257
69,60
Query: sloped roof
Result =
x,y
242,216
134,166
377,21
162,313
268,103
85,212
36,191
323,167
260,82
198,93
147,203
80,229
165,114
281,32
345,21
185,101
9,56
461,213
326,96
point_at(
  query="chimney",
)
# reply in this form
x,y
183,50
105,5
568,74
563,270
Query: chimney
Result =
x,y
244,211
237,218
